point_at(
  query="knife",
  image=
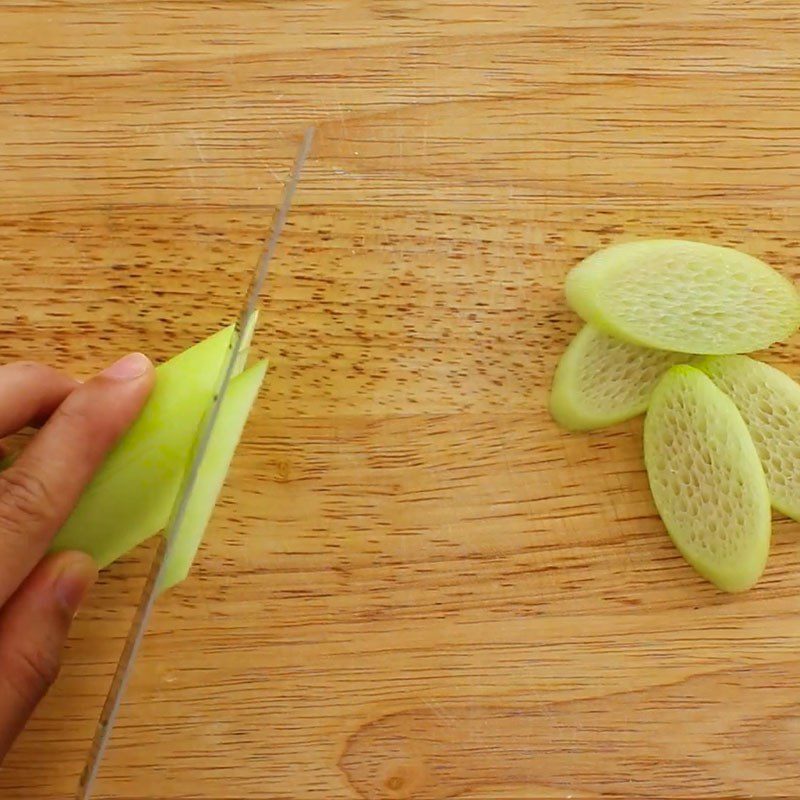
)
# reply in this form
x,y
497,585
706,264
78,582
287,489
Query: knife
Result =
x,y
152,585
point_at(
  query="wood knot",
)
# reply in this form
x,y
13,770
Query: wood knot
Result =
x,y
282,471
402,780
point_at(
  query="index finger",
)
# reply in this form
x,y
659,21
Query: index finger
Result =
x,y
40,489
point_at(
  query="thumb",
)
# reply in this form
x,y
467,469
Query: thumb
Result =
x,y
33,628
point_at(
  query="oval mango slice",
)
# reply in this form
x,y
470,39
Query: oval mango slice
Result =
x,y
707,480
601,380
684,296
769,402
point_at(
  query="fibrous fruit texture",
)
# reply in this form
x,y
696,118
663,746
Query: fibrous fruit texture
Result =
x,y
601,380
706,479
684,296
769,402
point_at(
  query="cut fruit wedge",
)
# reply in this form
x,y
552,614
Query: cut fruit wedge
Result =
x,y
707,480
769,402
601,380
684,296
231,419
131,497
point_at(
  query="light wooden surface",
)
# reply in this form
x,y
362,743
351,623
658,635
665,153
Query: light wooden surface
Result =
x,y
415,586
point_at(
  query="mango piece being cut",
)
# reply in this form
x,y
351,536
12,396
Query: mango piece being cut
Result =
x,y
684,296
233,414
707,480
769,402
131,497
601,380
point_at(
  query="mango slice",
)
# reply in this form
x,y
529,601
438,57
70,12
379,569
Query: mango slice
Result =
x,y
769,402
131,496
233,414
684,296
707,480
601,380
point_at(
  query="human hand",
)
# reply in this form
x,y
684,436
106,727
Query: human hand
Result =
x,y
39,593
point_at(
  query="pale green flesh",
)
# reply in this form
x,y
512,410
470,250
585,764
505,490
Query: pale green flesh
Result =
x,y
769,402
707,480
131,497
233,414
601,380
684,296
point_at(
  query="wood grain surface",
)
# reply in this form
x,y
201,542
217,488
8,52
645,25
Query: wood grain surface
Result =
x,y
415,585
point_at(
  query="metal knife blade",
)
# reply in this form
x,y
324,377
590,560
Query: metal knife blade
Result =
x,y
152,585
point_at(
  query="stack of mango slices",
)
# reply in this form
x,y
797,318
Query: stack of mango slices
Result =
x,y
667,324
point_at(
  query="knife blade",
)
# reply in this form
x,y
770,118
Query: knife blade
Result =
x,y
152,585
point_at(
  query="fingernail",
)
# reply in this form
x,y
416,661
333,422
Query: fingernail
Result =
x,y
76,577
134,365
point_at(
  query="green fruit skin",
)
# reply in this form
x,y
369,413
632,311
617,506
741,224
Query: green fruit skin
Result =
x,y
729,577
131,496
231,419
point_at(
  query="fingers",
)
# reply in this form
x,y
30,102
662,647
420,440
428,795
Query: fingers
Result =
x,y
33,627
40,489
29,393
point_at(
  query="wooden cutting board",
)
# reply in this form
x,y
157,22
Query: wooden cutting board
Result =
x,y
415,585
